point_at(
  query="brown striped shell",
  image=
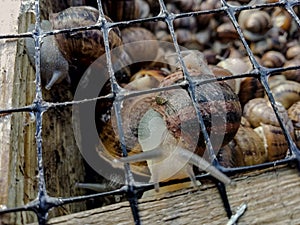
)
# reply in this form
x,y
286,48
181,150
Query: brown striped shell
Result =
x,y
287,92
246,149
82,46
177,109
139,50
274,141
259,111
294,114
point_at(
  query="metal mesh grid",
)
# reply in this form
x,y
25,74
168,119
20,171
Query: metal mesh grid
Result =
x,y
44,202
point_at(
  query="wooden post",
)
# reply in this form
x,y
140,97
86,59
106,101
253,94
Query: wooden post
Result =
x,y
63,163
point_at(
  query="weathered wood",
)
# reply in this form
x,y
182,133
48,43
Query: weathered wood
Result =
x,y
272,197
63,163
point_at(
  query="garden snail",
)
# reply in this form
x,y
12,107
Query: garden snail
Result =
x,y
121,10
259,138
287,92
294,114
254,24
273,59
86,46
54,67
167,129
245,149
140,45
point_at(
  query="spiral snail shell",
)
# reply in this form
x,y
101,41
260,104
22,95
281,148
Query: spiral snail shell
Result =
x,y
294,114
246,149
82,46
164,123
254,23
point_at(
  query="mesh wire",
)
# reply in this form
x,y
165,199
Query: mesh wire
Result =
x,y
44,202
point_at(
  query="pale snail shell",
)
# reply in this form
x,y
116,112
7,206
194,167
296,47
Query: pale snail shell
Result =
x,y
294,114
54,67
287,92
273,59
254,24
259,111
82,46
292,74
274,140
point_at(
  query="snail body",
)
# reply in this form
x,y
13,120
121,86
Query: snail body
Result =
x,y
54,67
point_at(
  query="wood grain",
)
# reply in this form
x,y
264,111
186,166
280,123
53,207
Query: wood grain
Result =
x,y
272,197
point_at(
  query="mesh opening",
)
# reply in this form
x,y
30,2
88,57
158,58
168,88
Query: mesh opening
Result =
x,y
175,25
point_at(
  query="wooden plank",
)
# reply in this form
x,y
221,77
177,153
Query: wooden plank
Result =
x,y
272,197
63,163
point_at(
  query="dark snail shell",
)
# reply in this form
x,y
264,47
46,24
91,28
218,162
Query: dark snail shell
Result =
x,y
176,108
82,46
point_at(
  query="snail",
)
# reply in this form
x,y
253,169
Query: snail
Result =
x,y
246,149
226,32
273,59
286,92
121,10
54,67
259,111
250,88
292,74
167,130
274,141
145,79
293,51
86,46
140,44
294,114
282,19
254,24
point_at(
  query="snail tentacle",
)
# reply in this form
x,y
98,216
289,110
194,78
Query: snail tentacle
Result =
x,y
202,164
147,155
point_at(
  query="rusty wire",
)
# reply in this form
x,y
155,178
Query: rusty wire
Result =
x,y
43,203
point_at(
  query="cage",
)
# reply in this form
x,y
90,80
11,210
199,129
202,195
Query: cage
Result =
x,y
42,165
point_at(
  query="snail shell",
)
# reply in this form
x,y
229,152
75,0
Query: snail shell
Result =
x,y
246,149
120,10
139,50
293,51
226,32
250,88
274,141
282,19
292,74
176,109
294,114
254,23
54,67
273,59
287,92
259,111
82,46
145,79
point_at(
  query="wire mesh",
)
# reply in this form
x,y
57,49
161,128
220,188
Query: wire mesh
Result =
x,y
44,203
